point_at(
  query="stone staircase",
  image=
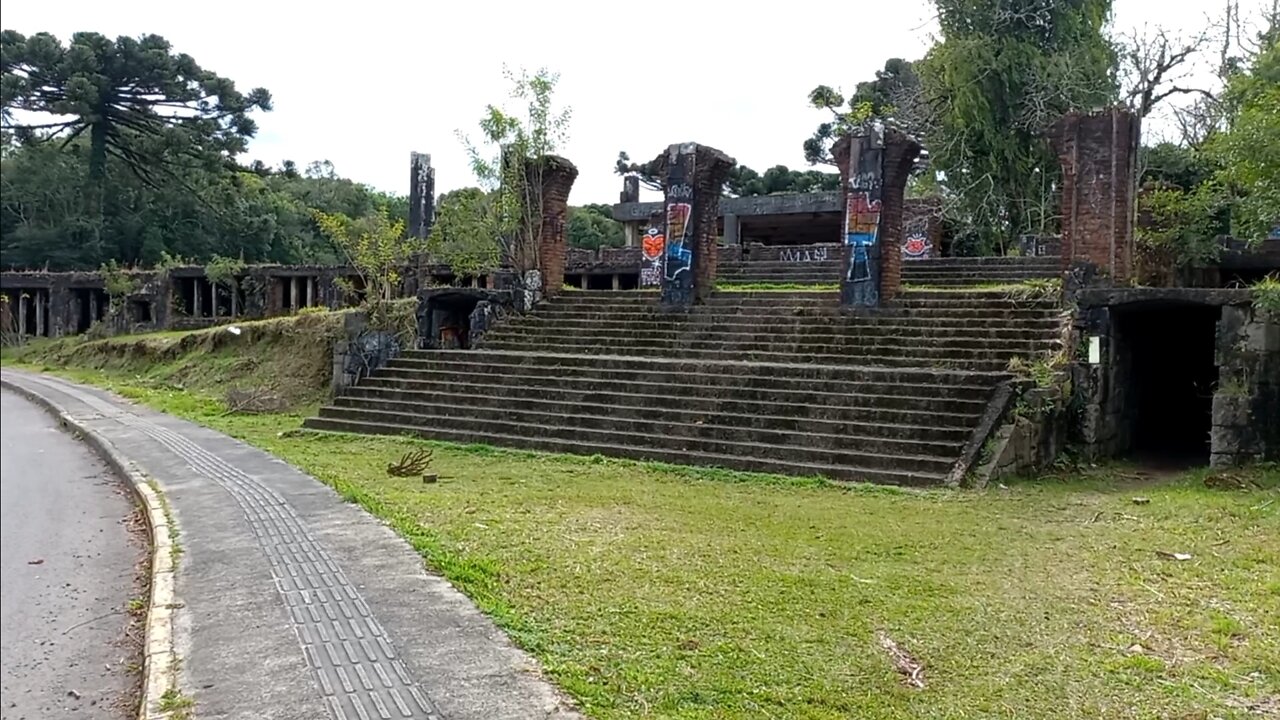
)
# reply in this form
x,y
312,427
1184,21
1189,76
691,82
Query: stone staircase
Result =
x,y
795,265
768,381
975,271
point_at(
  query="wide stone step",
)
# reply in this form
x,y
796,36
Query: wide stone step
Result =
x,y
942,416
813,434
528,438
646,434
778,269
989,271
776,266
770,314
955,299
806,324
949,282
885,356
763,382
788,370
828,343
742,332
880,404
993,260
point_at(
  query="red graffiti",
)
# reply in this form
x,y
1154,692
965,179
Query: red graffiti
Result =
x,y
653,244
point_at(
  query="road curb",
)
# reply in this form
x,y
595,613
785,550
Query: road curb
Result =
x,y
160,660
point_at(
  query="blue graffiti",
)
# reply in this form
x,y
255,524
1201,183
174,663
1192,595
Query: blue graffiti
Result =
x,y
860,268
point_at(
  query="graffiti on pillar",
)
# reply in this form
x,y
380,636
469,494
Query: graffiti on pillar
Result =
x,y
652,246
863,235
679,253
681,230
861,284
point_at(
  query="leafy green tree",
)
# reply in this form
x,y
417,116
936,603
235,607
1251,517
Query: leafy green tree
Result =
x,y
742,180
895,93
510,163
377,248
135,99
592,227
1003,73
745,182
1247,151
461,235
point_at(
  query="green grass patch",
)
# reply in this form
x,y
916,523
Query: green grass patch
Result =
x,y
649,590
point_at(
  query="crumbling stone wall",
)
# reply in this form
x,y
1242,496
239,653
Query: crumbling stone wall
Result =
x,y
1246,406
1245,419
1098,152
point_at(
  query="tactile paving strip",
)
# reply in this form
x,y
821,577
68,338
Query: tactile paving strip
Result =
x,y
353,660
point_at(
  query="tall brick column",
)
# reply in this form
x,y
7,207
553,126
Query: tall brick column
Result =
x,y
692,177
555,175
874,168
1098,152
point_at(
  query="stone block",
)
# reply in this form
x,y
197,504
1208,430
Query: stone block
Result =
x,y
1232,410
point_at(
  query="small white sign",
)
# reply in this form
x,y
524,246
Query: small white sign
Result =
x,y
1095,350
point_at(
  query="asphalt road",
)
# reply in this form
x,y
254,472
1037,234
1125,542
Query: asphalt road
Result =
x,y
67,564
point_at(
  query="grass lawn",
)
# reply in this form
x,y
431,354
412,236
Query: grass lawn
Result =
x,y
667,592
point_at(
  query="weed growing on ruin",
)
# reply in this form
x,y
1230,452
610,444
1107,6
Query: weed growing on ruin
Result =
x,y
1266,295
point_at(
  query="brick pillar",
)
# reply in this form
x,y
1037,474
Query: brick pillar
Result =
x,y
692,178
1098,152
874,168
555,175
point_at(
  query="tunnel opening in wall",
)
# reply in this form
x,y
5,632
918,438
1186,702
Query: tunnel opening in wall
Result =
x,y
1169,374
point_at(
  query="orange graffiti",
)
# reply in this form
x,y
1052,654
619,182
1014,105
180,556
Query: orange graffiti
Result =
x,y
653,244
678,221
863,214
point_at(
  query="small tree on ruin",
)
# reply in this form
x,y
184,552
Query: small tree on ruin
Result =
x,y
378,250
509,163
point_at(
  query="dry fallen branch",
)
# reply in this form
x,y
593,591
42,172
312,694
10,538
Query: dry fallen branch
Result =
x,y
253,401
414,462
909,668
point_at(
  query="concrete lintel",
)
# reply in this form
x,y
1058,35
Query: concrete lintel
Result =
x,y
1098,297
782,204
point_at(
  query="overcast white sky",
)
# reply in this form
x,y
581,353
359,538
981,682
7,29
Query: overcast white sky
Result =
x,y
364,83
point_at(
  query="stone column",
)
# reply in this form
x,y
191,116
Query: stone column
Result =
x,y
692,176
874,168
555,176
213,300
195,298
23,300
422,199
293,293
93,307
732,230
42,304
1098,152
630,189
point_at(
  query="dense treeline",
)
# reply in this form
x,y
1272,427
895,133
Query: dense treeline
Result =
x,y
259,214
